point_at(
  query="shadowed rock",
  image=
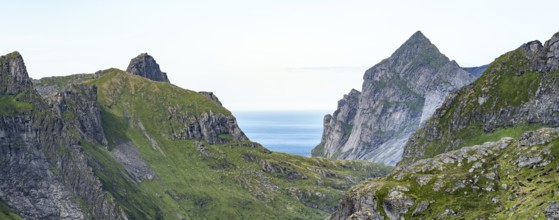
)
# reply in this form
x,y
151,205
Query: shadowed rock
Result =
x,y
145,66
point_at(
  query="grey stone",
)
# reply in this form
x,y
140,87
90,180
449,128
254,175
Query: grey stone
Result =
x,y
552,211
214,128
420,208
211,96
145,66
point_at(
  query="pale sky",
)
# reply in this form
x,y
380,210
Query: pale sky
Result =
x,y
263,55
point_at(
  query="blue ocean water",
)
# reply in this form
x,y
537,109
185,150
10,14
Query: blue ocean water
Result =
x,y
293,132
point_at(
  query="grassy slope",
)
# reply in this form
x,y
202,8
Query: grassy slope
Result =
x,y
6,213
528,190
59,82
219,185
500,84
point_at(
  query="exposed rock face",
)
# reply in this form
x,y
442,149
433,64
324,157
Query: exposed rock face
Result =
x,y
86,115
145,66
211,96
520,88
44,171
14,78
337,127
211,127
398,95
127,154
476,71
492,176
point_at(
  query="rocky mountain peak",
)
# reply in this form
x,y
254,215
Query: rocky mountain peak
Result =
x,y
418,36
145,65
13,74
418,47
398,94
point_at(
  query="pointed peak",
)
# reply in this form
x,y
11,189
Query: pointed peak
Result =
x,y
418,38
13,74
418,34
419,48
14,55
145,65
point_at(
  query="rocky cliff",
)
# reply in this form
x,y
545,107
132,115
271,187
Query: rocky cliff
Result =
x,y
144,65
44,170
337,127
114,145
519,91
398,95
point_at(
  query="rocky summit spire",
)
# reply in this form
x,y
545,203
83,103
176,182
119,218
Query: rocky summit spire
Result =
x,y
419,49
13,74
144,65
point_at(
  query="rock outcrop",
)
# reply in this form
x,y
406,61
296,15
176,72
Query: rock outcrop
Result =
x,y
213,128
399,94
14,78
145,66
508,178
211,96
518,91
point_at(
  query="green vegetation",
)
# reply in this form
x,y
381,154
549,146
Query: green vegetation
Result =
x,y
479,112
10,105
498,189
318,151
7,213
235,180
59,82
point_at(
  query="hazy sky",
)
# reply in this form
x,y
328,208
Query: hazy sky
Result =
x,y
283,54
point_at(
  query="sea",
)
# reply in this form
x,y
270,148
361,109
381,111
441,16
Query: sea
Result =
x,y
292,132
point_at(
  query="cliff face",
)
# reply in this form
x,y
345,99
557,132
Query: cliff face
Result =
x,y
399,94
518,91
337,127
44,170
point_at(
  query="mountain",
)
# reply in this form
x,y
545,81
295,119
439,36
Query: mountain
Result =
x,y
490,151
125,145
398,95
476,71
